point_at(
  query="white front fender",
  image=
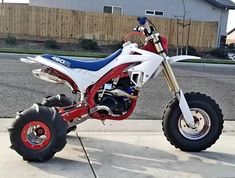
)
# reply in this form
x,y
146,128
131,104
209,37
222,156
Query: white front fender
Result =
x,y
180,58
174,59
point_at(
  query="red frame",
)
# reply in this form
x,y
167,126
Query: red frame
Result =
x,y
82,110
118,71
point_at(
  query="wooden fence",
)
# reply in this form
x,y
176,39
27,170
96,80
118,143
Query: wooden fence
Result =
x,y
37,23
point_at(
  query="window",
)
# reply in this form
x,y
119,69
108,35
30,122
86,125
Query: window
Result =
x,y
154,12
160,13
117,10
107,9
147,12
112,9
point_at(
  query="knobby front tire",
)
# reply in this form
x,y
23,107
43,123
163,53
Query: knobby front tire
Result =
x,y
207,116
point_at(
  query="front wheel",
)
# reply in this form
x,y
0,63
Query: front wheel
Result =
x,y
208,120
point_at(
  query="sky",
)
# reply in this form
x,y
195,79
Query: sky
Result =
x,y
231,18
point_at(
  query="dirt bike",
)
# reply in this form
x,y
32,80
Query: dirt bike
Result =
x,y
108,89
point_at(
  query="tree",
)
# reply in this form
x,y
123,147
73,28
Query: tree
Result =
x,y
183,25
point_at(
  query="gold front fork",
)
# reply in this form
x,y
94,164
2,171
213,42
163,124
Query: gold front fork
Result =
x,y
167,70
172,83
170,77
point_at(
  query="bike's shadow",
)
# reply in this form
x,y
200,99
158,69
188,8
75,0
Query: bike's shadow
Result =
x,y
132,156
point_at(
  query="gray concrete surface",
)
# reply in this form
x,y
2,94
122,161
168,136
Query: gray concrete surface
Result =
x,y
92,125
71,162
149,155
19,89
123,153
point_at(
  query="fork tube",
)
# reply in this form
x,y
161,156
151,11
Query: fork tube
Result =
x,y
167,70
172,83
177,92
170,77
170,86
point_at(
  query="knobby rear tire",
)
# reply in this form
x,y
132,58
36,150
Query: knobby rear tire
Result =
x,y
49,117
59,100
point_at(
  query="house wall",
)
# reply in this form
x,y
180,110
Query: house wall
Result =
x,y
195,9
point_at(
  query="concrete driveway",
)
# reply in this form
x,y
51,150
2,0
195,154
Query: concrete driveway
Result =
x,y
123,150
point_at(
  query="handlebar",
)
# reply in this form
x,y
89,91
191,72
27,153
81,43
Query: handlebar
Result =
x,y
150,31
145,26
142,20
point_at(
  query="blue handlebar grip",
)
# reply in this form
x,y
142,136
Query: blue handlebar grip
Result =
x,y
141,20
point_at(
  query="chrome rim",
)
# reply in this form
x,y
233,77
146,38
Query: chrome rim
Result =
x,y
202,125
36,135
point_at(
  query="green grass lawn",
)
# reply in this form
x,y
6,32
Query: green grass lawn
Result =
x,y
56,52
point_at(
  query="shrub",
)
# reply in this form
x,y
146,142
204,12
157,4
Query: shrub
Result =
x,y
191,50
51,44
89,44
231,46
117,46
219,53
10,40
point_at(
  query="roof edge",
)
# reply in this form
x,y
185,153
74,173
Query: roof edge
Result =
x,y
220,5
231,31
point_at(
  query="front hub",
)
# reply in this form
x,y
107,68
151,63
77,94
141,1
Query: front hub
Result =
x,y
201,127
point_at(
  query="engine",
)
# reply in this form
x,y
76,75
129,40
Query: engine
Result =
x,y
116,95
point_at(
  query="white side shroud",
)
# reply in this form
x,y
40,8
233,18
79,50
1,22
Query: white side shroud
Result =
x,y
146,62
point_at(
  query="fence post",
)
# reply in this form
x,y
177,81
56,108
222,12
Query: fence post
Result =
x,y
40,23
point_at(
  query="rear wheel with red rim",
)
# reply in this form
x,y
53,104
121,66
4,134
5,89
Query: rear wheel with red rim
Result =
x,y
38,133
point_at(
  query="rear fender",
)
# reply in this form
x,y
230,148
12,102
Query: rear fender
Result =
x,y
29,60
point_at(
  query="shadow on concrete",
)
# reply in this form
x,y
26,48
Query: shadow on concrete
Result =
x,y
70,162
219,157
63,167
119,159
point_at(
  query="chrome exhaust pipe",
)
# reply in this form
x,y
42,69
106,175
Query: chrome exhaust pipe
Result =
x,y
100,108
86,116
118,92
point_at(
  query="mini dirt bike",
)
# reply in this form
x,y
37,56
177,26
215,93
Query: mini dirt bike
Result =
x,y
108,89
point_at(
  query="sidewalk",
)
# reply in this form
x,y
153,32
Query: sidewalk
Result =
x,y
92,125
123,149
